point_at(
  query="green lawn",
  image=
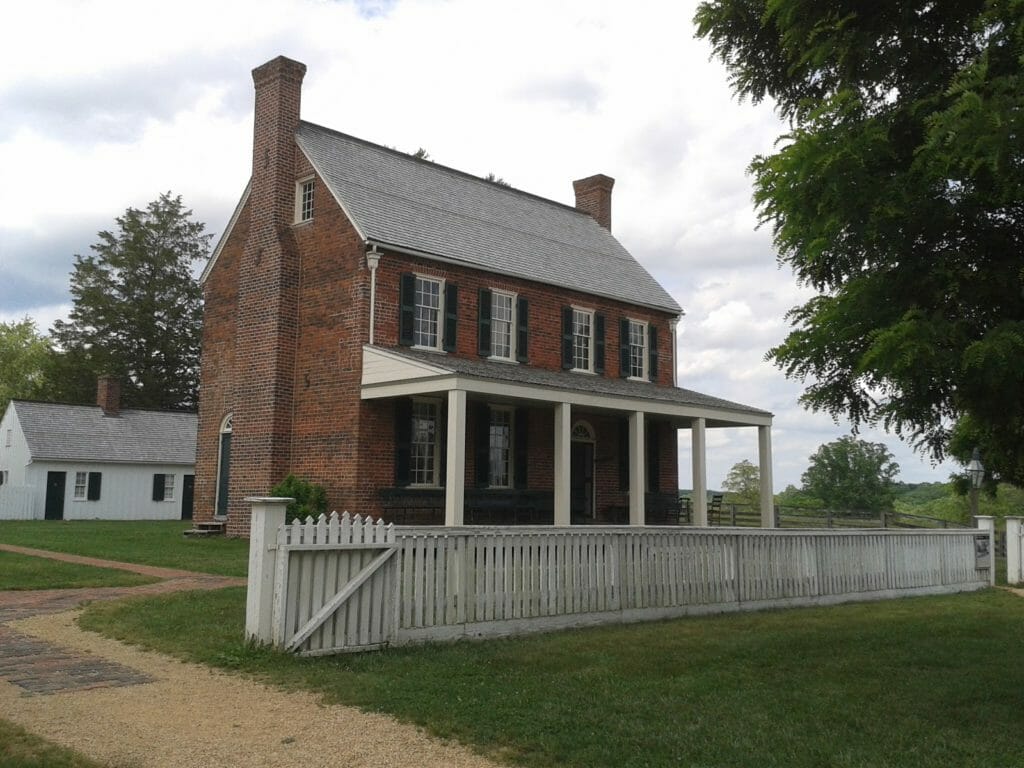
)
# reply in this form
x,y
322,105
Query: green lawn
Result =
x,y
23,572
151,542
20,749
907,683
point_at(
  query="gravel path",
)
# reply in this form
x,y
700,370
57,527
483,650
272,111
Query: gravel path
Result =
x,y
130,708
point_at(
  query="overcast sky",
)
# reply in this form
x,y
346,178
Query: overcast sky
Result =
x,y
104,105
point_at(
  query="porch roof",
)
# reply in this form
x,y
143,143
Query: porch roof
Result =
x,y
403,372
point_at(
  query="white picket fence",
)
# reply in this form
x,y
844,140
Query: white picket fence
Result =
x,y
17,502
344,583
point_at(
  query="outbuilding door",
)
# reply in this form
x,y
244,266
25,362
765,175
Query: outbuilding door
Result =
x,y
55,483
188,490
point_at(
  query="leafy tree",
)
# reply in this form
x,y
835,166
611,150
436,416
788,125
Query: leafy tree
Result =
x,y
794,497
137,310
24,360
743,484
852,474
898,195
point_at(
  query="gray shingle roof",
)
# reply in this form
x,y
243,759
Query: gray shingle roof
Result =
x,y
601,385
396,199
82,433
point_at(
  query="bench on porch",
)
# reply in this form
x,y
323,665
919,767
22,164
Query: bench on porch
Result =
x,y
659,509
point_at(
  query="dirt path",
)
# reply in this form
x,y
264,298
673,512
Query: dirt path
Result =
x,y
131,708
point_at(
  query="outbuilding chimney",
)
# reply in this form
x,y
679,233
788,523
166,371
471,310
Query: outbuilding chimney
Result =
x,y
108,395
594,196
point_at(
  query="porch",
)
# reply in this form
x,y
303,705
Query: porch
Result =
x,y
586,431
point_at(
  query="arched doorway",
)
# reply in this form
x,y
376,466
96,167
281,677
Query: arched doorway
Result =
x,y
223,466
581,476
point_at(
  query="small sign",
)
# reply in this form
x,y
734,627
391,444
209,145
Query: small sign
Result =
x,y
982,551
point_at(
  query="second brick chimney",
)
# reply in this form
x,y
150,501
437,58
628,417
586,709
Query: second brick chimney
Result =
x,y
594,196
108,395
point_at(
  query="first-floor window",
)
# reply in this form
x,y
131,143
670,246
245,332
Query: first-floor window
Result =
x,y
163,487
3,476
500,448
424,447
81,485
168,487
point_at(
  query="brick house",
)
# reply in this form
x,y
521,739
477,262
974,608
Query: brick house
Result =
x,y
433,347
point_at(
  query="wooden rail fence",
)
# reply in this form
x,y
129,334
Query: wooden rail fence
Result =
x,y
347,583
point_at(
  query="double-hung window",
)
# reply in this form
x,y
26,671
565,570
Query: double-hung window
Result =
x,y
637,349
304,200
81,485
500,448
502,325
582,340
163,487
427,319
424,465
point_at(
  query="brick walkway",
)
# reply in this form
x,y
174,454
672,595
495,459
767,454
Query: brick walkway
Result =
x,y
39,667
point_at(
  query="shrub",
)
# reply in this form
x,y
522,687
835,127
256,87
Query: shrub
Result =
x,y
310,498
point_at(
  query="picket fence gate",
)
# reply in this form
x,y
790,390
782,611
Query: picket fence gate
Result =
x,y
345,583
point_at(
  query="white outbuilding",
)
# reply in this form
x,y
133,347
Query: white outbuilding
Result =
x,y
87,462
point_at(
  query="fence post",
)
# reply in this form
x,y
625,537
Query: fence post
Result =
x,y
988,523
267,516
1014,555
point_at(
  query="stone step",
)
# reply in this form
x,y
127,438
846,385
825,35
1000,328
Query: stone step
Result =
x,y
206,528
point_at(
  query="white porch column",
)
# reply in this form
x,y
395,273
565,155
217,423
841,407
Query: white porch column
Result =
x,y
764,454
1014,553
563,463
637,463
700,472
455,476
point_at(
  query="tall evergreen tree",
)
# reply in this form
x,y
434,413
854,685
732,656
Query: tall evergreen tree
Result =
x,y
137,310
898,195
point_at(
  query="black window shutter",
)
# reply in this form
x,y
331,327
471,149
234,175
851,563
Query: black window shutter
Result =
x,y
598,343
653,457
158,487
442,449
623,347
482,445
522,330
403,440
624,454
522,448
451,316
567,337
93,492
483,324
652,342
406,307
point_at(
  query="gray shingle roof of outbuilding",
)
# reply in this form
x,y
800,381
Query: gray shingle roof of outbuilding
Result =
x,y
82,433
398,200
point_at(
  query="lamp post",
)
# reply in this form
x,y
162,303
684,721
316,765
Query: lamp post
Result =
x,y
976,472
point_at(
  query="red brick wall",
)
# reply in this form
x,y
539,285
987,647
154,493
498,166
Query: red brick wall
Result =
x,y
545,321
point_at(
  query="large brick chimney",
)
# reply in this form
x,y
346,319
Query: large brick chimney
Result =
x,y
594,196
108,395
267,319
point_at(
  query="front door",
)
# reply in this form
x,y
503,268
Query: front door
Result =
x,y
55,482
188,491
581,483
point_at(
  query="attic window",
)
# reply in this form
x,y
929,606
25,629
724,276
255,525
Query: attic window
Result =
x,y
304,200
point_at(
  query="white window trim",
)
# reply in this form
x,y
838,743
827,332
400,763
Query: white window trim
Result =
x,y
440,313
590,347
510,468
436,483
85,487
9,438
513,327
645,358
299,184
